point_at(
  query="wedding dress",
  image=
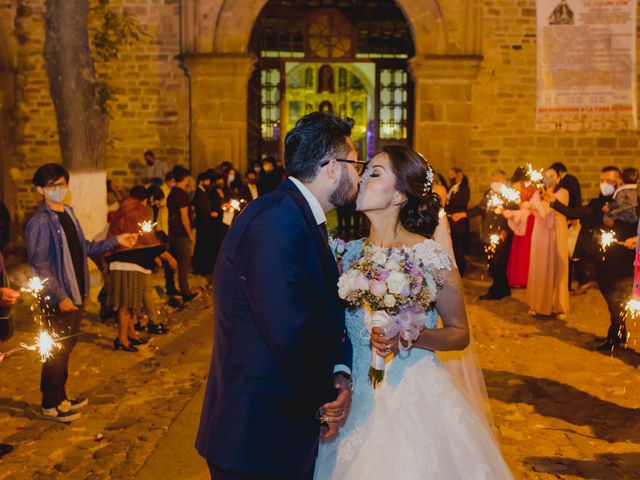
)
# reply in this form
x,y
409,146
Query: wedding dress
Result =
x,y
416,424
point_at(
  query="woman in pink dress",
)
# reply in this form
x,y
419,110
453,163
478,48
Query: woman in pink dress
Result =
x,y
521,222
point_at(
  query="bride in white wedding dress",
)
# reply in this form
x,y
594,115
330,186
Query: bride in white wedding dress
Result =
x,y
416,424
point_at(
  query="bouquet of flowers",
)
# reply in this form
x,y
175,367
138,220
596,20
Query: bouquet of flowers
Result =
x,y
395,289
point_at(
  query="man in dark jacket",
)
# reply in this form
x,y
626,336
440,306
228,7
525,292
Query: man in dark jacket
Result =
x,y
614,267
280,352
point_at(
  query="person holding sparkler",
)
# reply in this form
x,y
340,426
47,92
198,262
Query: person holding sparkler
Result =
x,y
58,251
614,269
129,276
548,282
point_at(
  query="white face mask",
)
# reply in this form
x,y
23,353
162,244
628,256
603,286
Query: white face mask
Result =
x,y
607,189
496,186
57,195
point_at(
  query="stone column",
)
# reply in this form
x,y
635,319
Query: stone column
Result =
x,y
443,107
219,89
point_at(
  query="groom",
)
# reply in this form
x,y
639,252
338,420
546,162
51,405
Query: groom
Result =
x,y
281,356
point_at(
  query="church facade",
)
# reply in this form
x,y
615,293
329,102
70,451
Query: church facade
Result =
x,y
218,80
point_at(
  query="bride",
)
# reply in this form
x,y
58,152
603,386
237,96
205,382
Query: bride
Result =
x,y
416,424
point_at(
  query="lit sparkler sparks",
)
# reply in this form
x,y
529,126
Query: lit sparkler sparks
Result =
x,y
45,343
35,285
510,194
607,239
235,204
146,227
535,176
632,307
490,249
495,202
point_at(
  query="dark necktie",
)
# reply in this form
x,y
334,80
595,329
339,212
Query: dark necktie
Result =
x,y
325,233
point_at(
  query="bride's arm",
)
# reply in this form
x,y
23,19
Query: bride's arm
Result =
x,y
450,305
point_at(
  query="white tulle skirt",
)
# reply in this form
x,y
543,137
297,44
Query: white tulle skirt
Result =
x,y
417,425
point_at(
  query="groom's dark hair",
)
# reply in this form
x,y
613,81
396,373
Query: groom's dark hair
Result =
x,y
316,138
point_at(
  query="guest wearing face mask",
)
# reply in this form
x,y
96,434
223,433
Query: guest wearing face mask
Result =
x,y
548,282
614,269
58,251
250,189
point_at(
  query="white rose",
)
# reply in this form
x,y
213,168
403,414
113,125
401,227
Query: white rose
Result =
x,y
396,282
389,300
347,283
379,258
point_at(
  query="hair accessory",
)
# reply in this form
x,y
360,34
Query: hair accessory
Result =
x,y
428,182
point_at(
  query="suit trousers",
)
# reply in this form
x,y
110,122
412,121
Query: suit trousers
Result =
x,y
180,248
460,241
55,370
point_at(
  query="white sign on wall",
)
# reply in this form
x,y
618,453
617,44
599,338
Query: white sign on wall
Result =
x,y
586,59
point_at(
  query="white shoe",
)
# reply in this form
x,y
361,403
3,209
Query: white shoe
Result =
x,y
59,416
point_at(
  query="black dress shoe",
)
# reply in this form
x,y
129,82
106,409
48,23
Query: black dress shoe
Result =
x,y
4,449
609,344
118,345
157,329
489,296
137,341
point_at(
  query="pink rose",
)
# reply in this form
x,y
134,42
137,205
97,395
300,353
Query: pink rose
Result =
x,y
378,288
362,283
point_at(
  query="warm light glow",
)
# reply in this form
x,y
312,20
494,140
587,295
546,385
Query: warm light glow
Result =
x,y
146,226
35,285
607,239
44,344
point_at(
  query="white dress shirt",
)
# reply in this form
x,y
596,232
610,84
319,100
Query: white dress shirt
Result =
x,y
320,218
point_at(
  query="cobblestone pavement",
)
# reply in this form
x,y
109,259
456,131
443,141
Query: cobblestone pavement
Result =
x,y
561,409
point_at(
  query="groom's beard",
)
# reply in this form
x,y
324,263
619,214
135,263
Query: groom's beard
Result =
x,y
346,192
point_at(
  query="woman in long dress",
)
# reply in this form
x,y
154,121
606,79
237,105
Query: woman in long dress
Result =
x,y
417,424
548,282
521,223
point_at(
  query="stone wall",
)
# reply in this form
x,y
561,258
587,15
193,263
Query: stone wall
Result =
x,y
503,105
151,110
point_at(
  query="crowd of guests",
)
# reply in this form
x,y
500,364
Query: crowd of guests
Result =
x,y
548,242
170,221
545,241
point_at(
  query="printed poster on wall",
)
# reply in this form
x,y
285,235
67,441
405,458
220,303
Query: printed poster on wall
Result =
x,y
586,65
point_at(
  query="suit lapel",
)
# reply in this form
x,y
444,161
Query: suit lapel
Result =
x,y
328,261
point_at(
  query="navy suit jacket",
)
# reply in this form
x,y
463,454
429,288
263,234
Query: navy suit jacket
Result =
x,y
278,333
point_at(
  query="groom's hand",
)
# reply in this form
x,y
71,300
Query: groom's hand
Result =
x,y
336,412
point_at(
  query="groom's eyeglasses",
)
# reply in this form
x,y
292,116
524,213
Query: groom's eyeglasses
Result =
x,y
360,165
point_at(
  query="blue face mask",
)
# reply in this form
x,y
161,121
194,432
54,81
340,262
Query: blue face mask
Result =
x,y
56,195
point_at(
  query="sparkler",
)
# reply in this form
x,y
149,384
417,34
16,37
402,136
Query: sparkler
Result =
x,y
490,249
535,176
35,285
510,194
235,204
632,308
607,239
146,227
44,343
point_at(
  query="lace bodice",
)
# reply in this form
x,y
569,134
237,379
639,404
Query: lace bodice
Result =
x,y
436,258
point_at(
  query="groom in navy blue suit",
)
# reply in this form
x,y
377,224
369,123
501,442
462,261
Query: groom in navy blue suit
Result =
x,y
281,356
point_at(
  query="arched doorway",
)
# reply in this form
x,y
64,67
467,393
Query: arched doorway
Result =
x,y
348,57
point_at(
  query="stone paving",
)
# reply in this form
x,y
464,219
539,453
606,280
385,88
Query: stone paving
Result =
x,y
561,409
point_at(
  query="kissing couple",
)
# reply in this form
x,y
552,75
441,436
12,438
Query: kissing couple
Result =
x,y
290,393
